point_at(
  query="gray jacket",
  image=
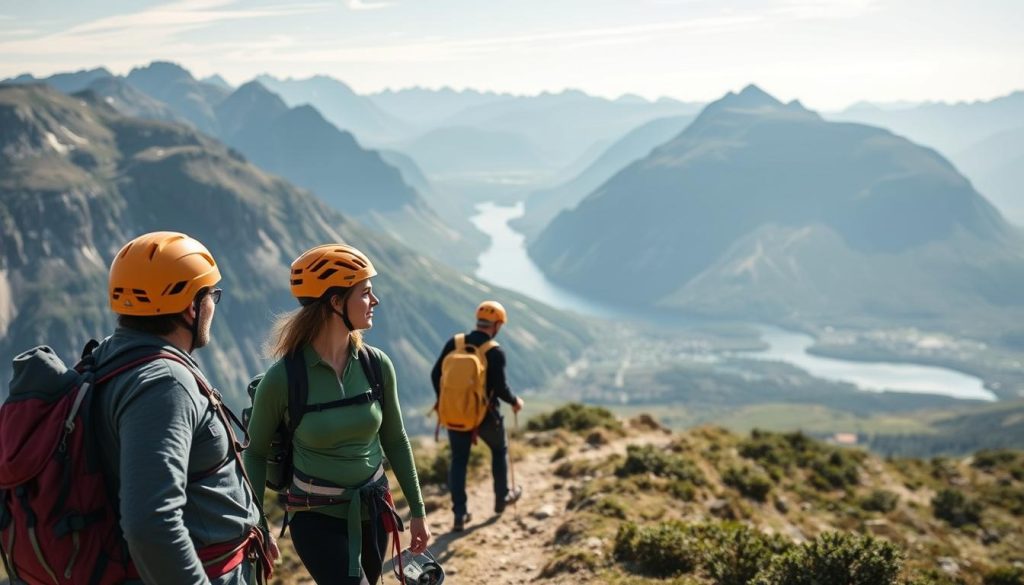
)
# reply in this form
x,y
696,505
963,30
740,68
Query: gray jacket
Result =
x,y
155,430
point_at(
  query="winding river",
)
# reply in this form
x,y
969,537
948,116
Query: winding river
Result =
x,y
506,263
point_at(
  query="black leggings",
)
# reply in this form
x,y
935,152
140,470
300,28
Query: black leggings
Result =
x,y
322,544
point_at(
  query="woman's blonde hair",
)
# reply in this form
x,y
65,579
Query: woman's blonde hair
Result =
x,y
293,330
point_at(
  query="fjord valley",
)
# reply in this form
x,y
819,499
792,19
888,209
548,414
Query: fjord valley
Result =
x,y
656,248
748,210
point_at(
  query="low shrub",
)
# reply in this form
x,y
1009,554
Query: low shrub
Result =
x,y
956,508
642,459
750,482
828,467
1004,576
1000,459
611,507
664,550
879,501
836,469
682,490
575,417
836,557
733,554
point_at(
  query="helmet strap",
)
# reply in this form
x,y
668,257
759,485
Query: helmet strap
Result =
x,y
343,313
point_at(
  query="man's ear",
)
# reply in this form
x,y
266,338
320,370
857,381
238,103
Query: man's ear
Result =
x,y
189,314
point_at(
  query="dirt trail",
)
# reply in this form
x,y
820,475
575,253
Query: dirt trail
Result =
x,y
514,547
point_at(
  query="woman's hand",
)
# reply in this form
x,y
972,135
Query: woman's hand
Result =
x,y
420,535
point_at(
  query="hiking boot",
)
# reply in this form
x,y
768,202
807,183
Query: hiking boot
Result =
x,y
461,521
510,498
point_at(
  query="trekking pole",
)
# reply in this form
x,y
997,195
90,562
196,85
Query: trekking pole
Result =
x,y
511,465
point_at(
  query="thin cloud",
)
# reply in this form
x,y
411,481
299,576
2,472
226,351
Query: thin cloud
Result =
x,y
433,49
150,27
359,5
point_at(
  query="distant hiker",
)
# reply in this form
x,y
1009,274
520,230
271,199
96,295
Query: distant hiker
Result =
x,y
469,378
340,507
144,415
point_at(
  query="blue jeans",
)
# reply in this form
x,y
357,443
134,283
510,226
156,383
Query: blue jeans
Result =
x,y
492,433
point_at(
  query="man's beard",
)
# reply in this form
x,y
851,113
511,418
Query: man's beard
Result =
x,y
203,335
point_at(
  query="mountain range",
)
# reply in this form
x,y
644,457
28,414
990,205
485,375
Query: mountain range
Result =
x,y
982,138
78,179
764,210
543,205
341,105
298,144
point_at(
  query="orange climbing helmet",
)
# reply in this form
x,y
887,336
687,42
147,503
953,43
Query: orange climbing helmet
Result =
x,y
160,273
325,267
492,311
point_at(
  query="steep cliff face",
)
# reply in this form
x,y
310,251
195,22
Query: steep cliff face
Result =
x,y
79,180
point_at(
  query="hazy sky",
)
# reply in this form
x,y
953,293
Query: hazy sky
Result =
x,y
828,53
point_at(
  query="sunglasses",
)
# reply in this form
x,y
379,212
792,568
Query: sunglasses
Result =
x,y
214,293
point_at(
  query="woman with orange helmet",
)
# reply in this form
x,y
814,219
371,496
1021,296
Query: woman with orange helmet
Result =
x,y
340,509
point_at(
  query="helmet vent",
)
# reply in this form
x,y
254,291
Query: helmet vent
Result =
x,y
117,293
318,266
153,249
327,273
349,265
178,287
296,281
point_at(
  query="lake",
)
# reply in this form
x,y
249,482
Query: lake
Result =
x,y
506,264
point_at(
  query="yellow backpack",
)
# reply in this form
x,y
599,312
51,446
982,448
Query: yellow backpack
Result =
x,y
462,398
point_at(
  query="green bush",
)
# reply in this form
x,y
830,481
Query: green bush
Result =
x,y
575,417
643,459
611,507
682,490
1008,497
1004,576
879,501
836,558
734,554
993,459
664,550
956,508
834,470
750,482
829,467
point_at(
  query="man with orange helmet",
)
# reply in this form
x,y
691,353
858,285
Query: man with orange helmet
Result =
x,y
490,318
166,446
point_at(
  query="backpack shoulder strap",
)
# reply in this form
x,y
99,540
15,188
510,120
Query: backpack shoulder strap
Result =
x,y
460,341
120,363
487,346
369,359
298,388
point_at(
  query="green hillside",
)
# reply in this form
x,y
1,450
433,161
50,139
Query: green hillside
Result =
x,y
78,180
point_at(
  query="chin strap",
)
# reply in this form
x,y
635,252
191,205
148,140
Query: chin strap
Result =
x,y
344,318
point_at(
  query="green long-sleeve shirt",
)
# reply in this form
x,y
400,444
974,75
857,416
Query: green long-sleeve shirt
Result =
x,y
344,446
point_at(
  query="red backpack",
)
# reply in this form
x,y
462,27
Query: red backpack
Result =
x,y
58,520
